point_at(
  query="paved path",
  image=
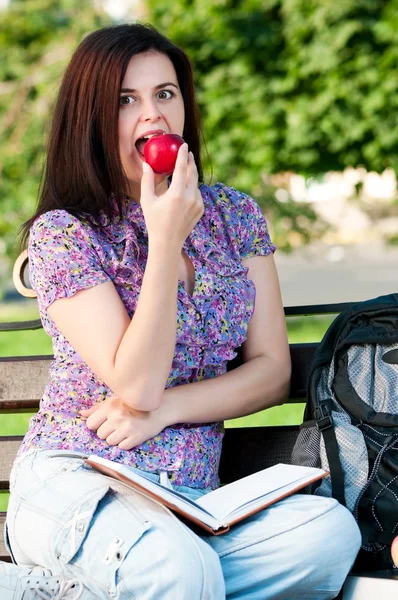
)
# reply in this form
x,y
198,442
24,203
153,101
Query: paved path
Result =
x,y
318,275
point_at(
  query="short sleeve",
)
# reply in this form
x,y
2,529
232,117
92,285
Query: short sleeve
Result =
x,y
252,228
63,257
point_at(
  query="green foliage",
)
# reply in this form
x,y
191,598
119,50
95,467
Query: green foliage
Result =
x,y
291,85
37,38
284,85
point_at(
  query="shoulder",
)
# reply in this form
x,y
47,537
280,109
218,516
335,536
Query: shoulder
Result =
x,y
230,204
58,226
226,197
57,221
57,236
243,218
64,256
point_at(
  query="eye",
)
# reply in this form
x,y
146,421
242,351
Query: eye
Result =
x,y
165,94
126,100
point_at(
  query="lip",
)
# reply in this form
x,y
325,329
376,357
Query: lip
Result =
x,y
151,132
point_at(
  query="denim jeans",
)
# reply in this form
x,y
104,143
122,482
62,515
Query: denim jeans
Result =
x,y
67,517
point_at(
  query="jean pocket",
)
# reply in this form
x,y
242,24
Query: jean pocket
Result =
x,y
105,528
76,523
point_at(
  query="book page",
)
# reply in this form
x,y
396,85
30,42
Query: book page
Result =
x,y
227,501
264,501
172,497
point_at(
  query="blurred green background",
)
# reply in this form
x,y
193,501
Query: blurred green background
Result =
x,y
305,86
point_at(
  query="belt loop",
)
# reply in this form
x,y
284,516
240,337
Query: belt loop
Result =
x,y
164,480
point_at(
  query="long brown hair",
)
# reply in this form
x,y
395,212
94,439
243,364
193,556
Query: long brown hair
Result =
x,y
83,166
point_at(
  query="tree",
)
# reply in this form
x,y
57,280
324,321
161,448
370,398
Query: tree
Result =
x,y
290,85
37,37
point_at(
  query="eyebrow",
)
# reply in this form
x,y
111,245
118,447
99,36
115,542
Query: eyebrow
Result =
x,y
157,87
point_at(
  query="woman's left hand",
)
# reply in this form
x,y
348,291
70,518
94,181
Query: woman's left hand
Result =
x,y
121,425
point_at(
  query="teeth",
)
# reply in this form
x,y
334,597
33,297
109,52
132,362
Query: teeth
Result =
x,y
151,135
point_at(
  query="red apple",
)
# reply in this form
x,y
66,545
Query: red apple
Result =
x,y
161,151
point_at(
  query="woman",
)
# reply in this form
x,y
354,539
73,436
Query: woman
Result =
x,y
147,286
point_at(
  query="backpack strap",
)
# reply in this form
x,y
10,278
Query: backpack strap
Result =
x,y
324,421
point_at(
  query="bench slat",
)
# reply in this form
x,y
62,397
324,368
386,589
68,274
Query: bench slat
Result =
x,y
8,449
4,556
23,379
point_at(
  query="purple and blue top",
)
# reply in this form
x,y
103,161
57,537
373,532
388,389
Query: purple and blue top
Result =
x,y
67,255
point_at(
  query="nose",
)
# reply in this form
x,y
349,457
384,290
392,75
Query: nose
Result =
x,y
150,111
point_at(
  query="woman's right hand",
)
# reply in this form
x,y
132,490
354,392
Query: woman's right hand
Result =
x,y
171,217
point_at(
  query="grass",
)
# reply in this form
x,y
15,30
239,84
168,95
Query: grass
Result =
x,y
26,343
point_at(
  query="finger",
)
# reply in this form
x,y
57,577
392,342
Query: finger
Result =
x,y
192,173
180,171
105,430
127,444
97,419
115,437
86,412
147,181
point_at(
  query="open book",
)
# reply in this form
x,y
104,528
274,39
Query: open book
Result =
x,y
217,510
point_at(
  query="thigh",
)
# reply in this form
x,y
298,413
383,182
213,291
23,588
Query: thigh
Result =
x,y
301,547
50,491
77,522
165,559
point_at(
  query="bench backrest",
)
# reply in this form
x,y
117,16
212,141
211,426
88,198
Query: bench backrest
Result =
x,y
245,450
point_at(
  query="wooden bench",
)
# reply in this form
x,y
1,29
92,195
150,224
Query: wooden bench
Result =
x,y
245,450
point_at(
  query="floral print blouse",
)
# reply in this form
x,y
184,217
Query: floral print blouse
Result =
x,y
67,255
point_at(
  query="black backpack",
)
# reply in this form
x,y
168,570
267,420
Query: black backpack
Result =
x,y
351,422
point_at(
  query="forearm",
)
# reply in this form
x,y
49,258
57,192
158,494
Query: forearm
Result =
x,y
257,384
144,356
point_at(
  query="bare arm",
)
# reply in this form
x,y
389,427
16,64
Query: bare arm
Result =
x,y
133,357
262,381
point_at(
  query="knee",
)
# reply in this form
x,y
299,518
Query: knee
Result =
x,y
323,549
331,542
196,566
179,567
341,534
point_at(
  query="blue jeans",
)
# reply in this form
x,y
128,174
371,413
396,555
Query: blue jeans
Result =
x,y
67,517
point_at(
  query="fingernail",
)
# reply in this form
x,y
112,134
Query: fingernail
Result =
x,y
145,167
191,154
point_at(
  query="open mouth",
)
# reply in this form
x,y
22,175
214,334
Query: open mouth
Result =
x,y
140,143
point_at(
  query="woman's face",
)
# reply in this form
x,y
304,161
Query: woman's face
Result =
x,y
150,103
